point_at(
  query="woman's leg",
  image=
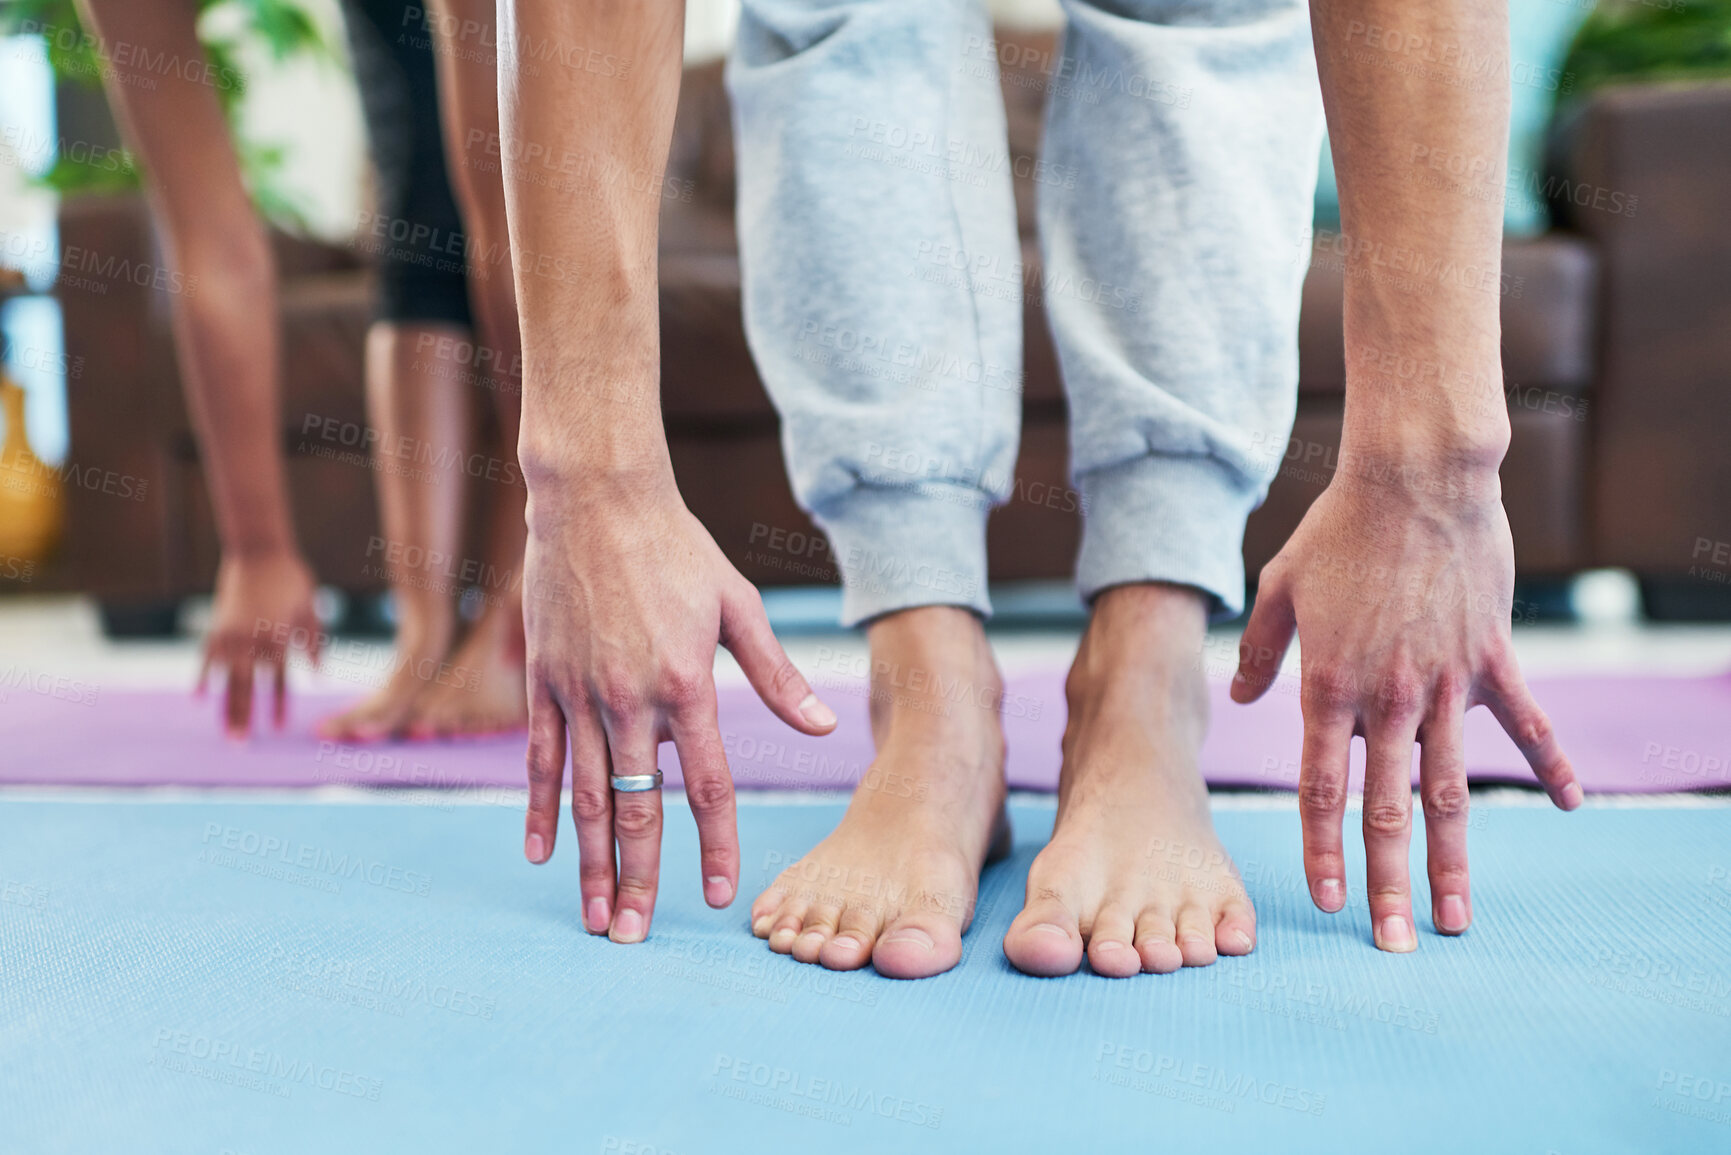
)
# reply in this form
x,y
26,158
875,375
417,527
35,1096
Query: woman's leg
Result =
x,y
490,695
413,399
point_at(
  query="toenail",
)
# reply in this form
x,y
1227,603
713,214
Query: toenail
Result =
x,y
1452,913
845,940
1242,939
760,927
1330,894
1052,928
810,935
914,936
1110,945
1395,934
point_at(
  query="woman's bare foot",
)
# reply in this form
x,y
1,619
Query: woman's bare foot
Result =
x,y
422,642
895,884
484,690
1134,874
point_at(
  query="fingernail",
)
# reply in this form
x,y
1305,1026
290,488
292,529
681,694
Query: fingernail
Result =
x,y
717,891
1571,796
628,927
816,712
914,936
598,915
1451,914
1330,894
1395,934
535,848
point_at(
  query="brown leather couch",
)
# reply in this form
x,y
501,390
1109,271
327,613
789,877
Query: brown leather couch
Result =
x,y
1617,354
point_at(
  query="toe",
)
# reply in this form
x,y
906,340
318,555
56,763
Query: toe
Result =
x,y
763,910
851,946
1045,939
1196,936
820,924
1235,932
918,946
1111,944
786,925
1157,943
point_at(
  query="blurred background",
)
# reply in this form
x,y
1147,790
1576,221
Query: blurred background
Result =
x,y
1616,314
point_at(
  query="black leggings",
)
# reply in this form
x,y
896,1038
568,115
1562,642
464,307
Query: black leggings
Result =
x,y
415,233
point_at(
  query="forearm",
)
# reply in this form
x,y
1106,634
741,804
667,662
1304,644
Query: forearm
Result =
x,y
228,343
1404,84
225,317
583,150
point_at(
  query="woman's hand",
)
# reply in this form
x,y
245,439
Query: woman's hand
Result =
x,y
264,606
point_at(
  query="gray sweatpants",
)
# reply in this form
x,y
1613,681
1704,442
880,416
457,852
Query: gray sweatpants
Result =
x,y
883,282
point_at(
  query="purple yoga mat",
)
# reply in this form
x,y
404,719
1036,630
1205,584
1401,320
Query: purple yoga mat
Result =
x,y
1623,733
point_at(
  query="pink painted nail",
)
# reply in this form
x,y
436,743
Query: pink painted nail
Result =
x,y
598,915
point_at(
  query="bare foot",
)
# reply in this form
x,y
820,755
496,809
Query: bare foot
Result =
x,y
484,692
387,711
895,884
1134,874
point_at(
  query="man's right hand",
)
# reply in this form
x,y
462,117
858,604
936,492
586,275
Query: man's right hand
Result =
x,y
625,598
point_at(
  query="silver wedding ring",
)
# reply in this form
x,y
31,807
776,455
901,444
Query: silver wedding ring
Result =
x,y
636,783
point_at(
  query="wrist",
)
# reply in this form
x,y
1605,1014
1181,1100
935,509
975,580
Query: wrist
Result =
x,y
576,492
263,545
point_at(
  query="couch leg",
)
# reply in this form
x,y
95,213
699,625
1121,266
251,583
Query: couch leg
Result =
x,y
1669,598
132,620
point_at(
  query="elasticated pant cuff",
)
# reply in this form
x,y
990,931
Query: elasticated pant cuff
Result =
x,y
1169,519
902,547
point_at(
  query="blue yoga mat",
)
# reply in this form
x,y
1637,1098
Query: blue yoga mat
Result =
x,y
258,977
